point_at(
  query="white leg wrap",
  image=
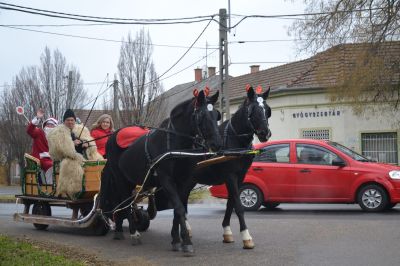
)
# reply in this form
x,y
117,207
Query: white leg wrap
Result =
x,y
246,235
136,235
227,230
188,226
112,224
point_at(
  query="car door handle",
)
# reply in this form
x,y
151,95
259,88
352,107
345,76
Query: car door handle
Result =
x,y
257,169
305,171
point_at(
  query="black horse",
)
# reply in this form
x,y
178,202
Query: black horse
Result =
x,y
191,122
251,118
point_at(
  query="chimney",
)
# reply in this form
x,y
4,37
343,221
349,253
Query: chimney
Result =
x,y
254,69
211,71
198,74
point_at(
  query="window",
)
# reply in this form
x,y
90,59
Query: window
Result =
x,y
381,147
310,154
322,134
274,154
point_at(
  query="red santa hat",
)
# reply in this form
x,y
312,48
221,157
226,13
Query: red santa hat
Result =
x,y
50,121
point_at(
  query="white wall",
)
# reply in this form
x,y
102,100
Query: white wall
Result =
x,y
293,113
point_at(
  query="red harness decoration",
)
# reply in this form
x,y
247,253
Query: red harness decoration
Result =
x,y
128,135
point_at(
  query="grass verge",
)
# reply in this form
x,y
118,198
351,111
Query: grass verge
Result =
x,y
7,198
199,195
16,252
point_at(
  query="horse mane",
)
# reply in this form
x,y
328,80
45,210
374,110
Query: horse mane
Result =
x,y
240,110
179,109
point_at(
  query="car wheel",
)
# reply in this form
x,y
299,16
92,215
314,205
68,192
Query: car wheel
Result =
x,y
250,197
372,198
41,209
271,205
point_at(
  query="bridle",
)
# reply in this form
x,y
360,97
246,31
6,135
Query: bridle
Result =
x,y
249,113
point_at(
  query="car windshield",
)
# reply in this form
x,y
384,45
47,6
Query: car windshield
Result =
x,y
349,152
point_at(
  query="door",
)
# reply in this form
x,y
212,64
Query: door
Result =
x,y
317,179
274,170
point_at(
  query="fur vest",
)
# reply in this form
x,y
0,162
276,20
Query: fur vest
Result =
x,y
62,148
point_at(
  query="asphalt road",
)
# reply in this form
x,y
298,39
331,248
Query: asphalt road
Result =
x,y
294,234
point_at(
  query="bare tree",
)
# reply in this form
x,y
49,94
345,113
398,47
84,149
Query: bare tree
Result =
x,y
139,82
53,76
33,88
14,140
374,73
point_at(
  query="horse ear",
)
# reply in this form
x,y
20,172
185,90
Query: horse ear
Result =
x,y
213,99
219,116
250,93
265,95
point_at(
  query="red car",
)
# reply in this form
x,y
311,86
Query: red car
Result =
x,y
315,171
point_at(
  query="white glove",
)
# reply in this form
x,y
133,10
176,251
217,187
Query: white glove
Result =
x,y
35,121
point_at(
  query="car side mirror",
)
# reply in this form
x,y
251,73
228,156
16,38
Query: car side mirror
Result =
x,y
338,162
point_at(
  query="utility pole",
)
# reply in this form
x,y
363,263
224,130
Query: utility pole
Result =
x,y
69,91
223,64
115,107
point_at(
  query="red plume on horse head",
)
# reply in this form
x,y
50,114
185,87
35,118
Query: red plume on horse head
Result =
x,y
206,90
195,92
248,86
259,89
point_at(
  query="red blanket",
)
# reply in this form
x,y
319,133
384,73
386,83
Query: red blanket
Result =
x,y
128,135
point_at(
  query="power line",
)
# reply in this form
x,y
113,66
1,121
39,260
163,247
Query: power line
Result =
x,y
100,93
96,39
173,65
301,14
54,14
159,77
105,18
260,62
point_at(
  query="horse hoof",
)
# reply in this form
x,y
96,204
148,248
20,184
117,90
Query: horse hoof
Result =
x,y
188,250
119,236
228,239
176,246
248,244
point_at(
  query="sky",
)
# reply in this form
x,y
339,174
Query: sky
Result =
x,y
266,40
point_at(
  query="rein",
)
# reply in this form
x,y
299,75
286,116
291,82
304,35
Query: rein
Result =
x,y
155,128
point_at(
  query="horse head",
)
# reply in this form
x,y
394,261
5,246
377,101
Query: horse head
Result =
x,y
205,118
202,124
258,112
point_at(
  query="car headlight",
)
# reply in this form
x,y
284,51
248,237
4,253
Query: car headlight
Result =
x,y
394,174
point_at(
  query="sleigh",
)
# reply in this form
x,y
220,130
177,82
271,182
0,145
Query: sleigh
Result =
x,y
84,204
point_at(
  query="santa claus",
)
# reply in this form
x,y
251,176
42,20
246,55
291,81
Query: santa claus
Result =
x,y
40,147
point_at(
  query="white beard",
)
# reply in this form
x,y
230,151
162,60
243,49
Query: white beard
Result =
x,y
47,130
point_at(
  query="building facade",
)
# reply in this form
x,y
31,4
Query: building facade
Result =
x,y
301,105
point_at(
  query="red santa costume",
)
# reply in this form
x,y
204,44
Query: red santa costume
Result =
x,y
40,148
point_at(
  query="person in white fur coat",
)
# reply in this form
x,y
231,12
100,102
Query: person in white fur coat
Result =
x,y
67,144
